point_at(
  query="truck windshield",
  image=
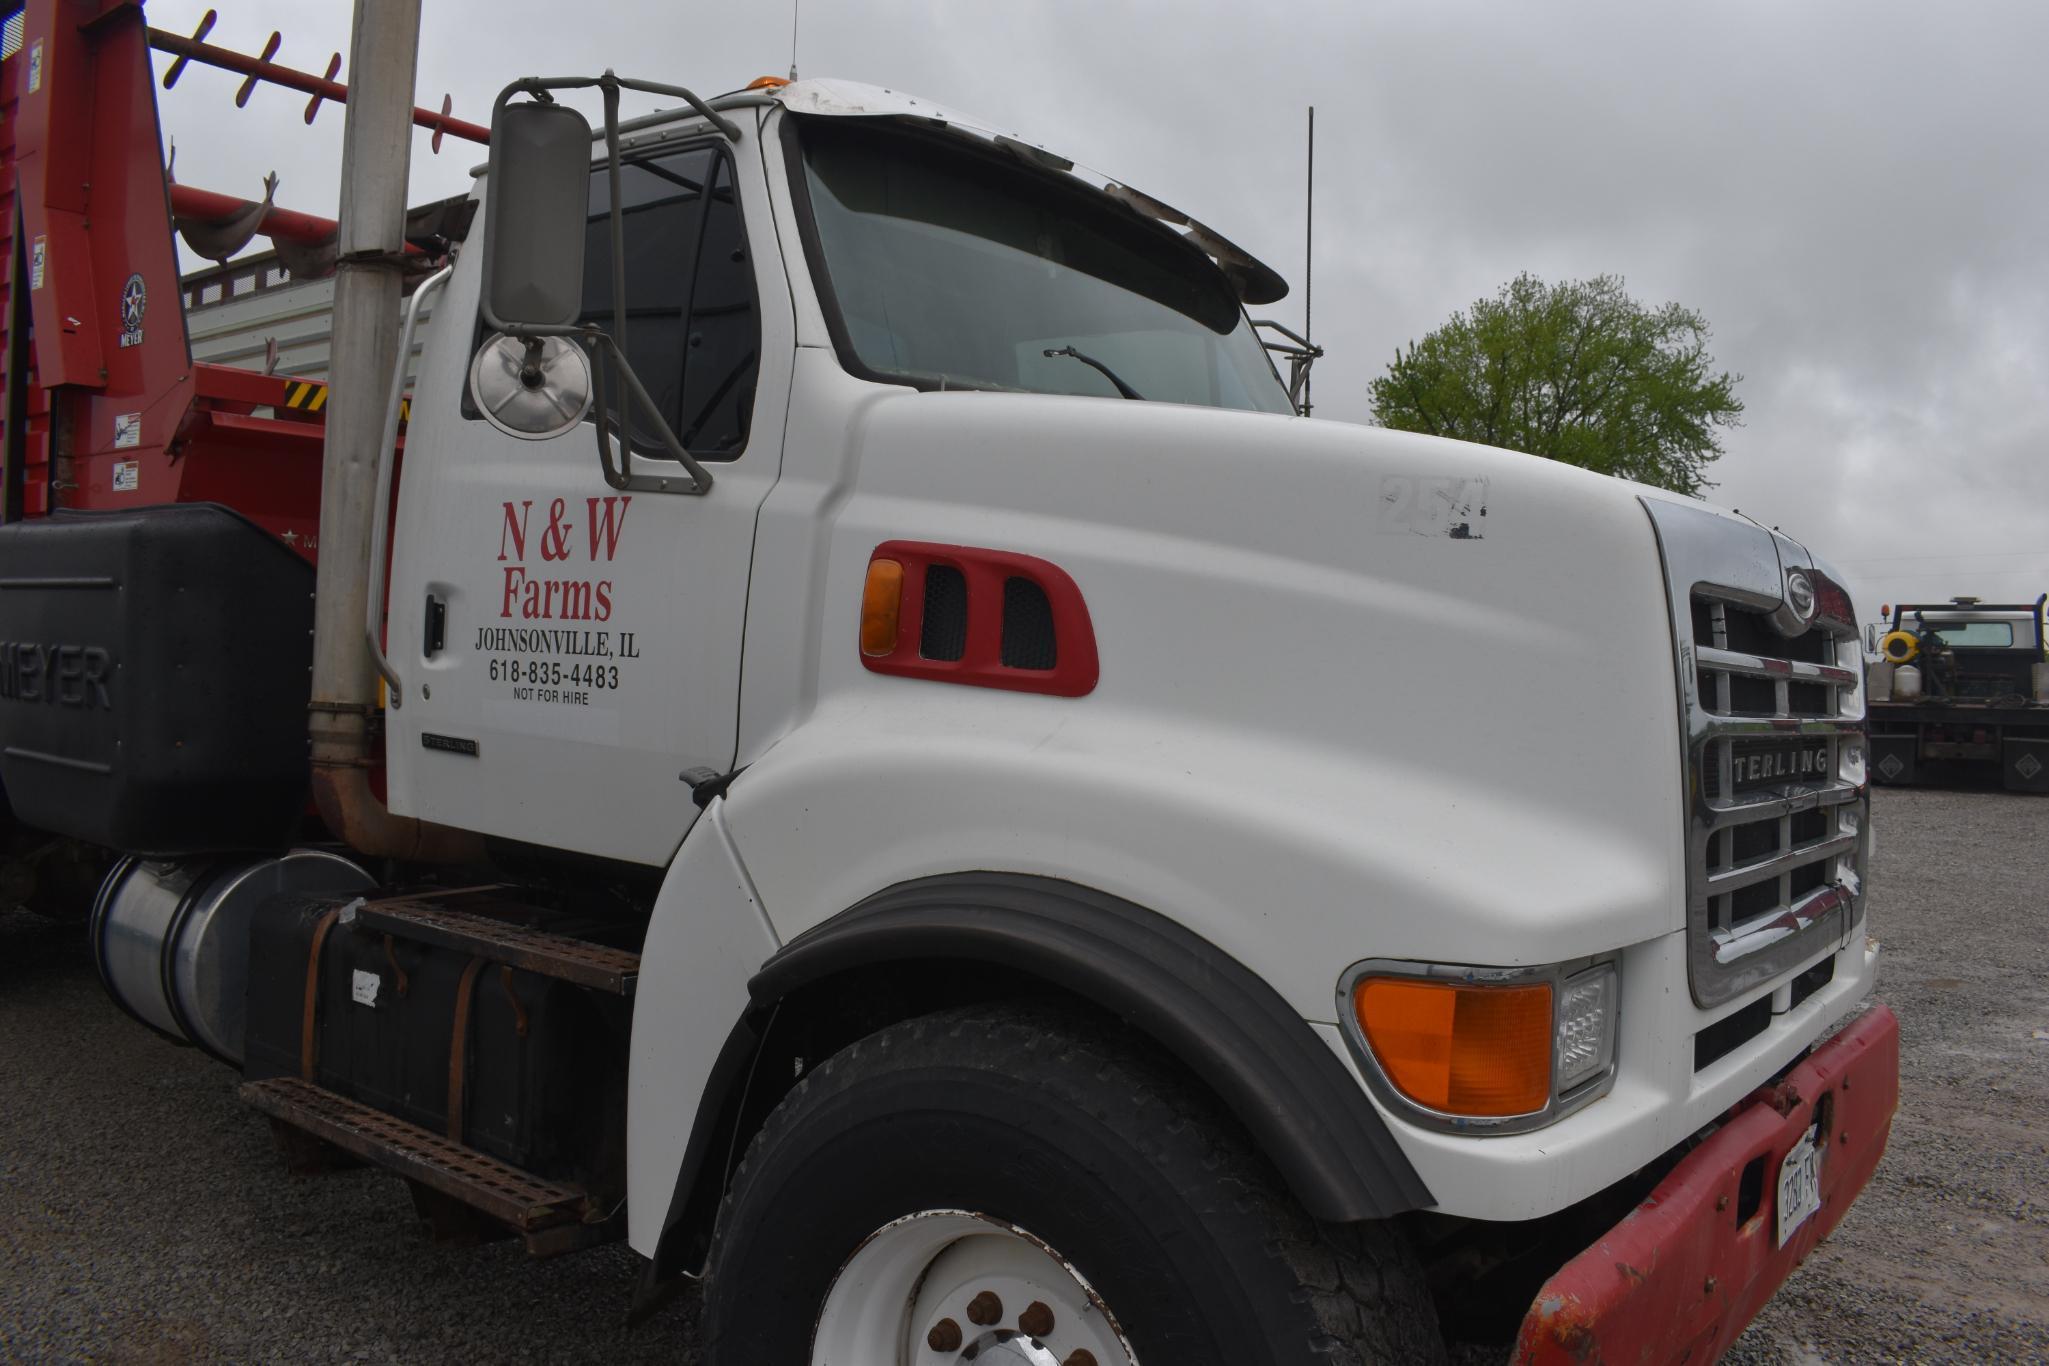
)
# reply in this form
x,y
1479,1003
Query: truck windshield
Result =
x,y
955,267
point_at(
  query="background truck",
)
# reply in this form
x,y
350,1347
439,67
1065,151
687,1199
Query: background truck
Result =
x,y
1958,688
847,733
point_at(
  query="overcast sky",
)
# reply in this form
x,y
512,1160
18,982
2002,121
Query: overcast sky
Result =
x,y
1854,194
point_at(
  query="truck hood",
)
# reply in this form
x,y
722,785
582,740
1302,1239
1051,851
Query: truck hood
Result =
x,y
1454,661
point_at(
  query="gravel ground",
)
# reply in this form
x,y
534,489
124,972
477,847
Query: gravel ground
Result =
x,y
1946,1255
145,1218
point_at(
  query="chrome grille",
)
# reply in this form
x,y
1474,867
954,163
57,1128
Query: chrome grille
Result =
x,y
1776,797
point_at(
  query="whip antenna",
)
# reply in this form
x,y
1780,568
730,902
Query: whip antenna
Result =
x,y
796,13
1309,254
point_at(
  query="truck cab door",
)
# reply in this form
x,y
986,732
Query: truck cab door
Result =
x,y
567,651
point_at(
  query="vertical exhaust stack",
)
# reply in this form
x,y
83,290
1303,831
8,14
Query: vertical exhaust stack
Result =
x,y
376,157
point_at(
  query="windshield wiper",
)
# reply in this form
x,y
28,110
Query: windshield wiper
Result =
x,y
1108,373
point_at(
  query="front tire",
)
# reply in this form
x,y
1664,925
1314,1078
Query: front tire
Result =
x,y
1079,1198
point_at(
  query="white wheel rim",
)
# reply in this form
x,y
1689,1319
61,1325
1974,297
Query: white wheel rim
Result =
x,y
946,1288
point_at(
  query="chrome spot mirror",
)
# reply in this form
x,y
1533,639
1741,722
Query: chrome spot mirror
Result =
x,y
533,388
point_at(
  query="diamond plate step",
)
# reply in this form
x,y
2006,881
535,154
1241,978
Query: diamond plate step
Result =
x,y
596,966
524,1202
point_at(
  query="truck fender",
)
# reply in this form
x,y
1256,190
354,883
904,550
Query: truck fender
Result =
x,y
1228,1026
706,937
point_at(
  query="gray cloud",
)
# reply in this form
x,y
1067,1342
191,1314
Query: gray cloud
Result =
x,y
1851,192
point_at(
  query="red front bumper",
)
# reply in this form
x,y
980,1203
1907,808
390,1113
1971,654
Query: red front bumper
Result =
x,y
1680,1276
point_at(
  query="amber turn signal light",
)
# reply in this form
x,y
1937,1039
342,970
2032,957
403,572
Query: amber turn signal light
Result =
x,y
1460,1048
882,599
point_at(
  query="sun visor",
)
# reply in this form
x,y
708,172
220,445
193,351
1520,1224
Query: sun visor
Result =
x,y
1253,280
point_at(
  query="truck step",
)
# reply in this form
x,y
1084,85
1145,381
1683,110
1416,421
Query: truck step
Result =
x,y
596,966
552,1216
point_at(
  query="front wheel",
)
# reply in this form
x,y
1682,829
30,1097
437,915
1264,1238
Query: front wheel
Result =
x,y
1023,1184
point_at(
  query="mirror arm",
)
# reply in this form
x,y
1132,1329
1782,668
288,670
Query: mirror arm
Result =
x,y
601,412
621,476
726,126
617,227
1301,353
540,86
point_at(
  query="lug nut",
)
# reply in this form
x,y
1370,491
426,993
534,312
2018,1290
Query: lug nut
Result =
x,y
944,1337
1080,1356
985,1309
1036,1320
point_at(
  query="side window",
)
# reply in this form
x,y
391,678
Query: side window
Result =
x,y
723,338
692,331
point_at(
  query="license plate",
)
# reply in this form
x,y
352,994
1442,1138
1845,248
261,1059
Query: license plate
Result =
x,y
1799,1186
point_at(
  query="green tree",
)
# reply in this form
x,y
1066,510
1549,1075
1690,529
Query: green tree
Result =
x,y
1577,371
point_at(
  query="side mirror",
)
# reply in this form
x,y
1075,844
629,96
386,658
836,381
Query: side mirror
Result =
x,y
532,380
535,209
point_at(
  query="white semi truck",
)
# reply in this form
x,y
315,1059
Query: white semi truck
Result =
x,y
892,770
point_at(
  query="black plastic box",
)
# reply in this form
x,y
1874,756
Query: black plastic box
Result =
x,y
154,674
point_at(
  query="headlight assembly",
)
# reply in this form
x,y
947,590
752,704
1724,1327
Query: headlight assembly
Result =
x,y
1486,1050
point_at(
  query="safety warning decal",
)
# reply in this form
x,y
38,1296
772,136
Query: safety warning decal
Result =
x,y
127,430
127,477
39,253
305,393
311,395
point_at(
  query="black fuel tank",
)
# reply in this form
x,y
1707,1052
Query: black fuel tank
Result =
x,y
541,1064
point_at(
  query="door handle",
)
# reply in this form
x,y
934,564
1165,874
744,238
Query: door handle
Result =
x,y
435,620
